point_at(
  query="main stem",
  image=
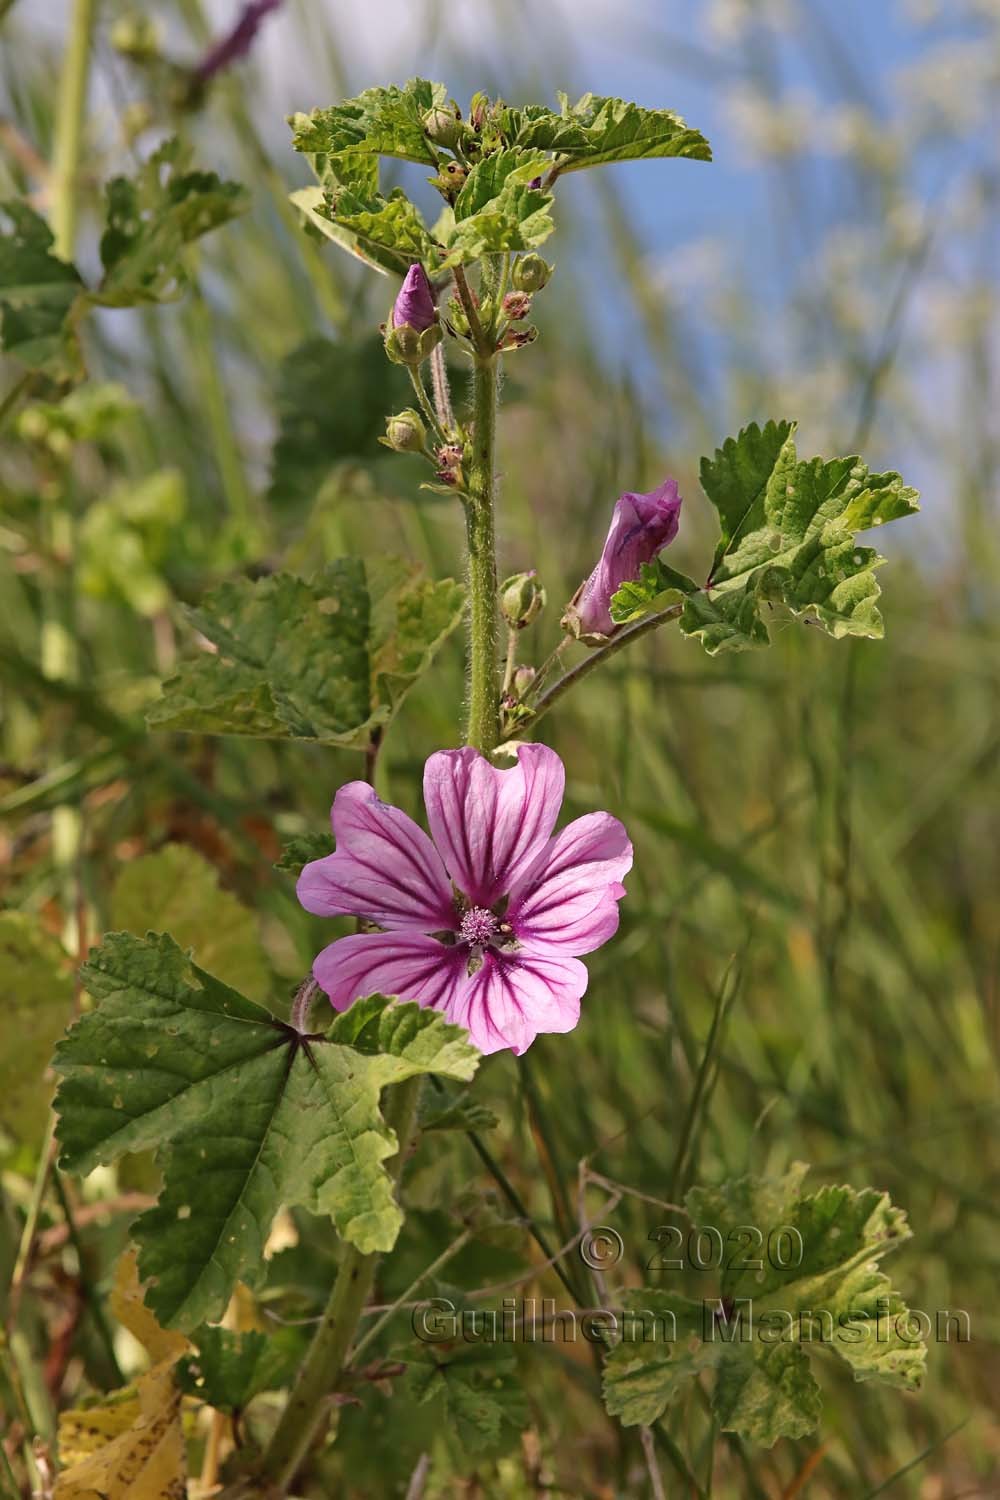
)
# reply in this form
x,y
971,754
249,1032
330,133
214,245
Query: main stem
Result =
x,y
483,729
324,1364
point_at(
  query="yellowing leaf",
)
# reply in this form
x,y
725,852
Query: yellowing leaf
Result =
x,y
176,890
130,1448
131,1311
131,1445
36,1003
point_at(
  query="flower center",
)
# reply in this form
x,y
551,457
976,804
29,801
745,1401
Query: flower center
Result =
x,y
478,926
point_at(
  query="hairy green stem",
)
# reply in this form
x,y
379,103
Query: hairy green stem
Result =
x,y
483,730
325,1362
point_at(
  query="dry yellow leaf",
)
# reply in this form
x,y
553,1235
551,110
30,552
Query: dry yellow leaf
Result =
x,y
131,1446
131,1311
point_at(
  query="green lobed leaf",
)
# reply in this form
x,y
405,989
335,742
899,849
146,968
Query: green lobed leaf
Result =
x,y
598,130
481,1396
176,890
152,218
38,293
36,1004
328,659
787,536
382,121
228,1369
497,209
778,1309
642,1374
246,1114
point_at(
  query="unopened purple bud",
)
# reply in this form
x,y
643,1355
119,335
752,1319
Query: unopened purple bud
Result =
x,y
415,306
641,526
535,182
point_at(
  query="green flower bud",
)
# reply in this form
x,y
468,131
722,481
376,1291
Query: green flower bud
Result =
x,y
522,598
445,126
530,273
405,432
408,346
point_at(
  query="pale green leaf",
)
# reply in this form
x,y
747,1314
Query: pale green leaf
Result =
x,y
387,233
655,1360
380,121
247,1115
38,293
176,890
800,1275
36,1004
497,209
657,586
766,1391
152,218
597,130
328,659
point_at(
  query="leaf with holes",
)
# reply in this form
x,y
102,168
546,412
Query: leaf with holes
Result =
x,y
151,220
246,1114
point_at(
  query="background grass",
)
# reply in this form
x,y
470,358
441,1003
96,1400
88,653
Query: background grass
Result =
x,y
808,961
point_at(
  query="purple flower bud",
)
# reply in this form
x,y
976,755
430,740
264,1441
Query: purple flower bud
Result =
x,y
415,305
642,525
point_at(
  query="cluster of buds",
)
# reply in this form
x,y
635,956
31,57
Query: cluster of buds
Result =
x,y
414,328
449,465
517,306
522,599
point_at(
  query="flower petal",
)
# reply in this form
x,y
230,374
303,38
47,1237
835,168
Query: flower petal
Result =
x,y
490,825
408,964
512,999
385,868
568,900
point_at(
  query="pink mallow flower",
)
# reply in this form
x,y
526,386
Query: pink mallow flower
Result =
x,y
484,920
642,525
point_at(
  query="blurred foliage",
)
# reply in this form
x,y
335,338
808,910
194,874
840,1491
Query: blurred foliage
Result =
x,y
808,960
